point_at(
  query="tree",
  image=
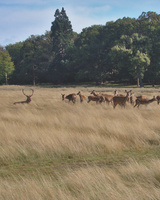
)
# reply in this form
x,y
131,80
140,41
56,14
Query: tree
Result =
x,y
153,32
6,65
90,53
62,39
132,52
139,64
61,32
32,59
15,53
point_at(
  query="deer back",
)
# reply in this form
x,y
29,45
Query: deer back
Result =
x,y
71,96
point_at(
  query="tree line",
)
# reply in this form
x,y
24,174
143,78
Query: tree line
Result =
x,y
125,51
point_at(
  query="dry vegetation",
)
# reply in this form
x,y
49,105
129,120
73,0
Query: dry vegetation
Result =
x,y
51,149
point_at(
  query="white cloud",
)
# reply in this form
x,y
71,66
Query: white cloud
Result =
x,y
83,17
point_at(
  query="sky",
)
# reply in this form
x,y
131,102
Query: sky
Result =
x,y
19,19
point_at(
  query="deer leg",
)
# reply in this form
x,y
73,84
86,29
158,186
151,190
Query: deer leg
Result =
x,y
107,101
114,105
135,105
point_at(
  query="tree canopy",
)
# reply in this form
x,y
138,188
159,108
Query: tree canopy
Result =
x,y
6,65
125,51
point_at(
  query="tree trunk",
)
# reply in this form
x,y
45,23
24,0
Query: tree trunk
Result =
x,y
153,82
139,80
34,78
6,78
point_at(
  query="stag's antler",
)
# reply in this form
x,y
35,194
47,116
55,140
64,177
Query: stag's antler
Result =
x,y
28,100
28,95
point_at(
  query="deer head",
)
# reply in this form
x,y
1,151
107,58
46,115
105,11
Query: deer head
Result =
x,y
28,96
63,96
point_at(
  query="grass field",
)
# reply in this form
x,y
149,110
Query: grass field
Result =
x,y
53,150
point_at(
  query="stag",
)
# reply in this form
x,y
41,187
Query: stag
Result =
x,y
82,97
28,100
70,97
121,100
144,101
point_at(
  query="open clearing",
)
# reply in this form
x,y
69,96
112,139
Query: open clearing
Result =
x,y
52,149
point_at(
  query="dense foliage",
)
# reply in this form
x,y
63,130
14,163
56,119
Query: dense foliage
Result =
x,y
124,51
6,66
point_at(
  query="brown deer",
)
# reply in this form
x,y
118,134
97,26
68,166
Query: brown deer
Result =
x,y
121,100
28,100
158,99
70,97
133,98
107,97
123,95
82,97
144,101
98,99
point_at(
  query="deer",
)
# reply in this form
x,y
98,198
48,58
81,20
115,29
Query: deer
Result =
x,y
28,100
82,98
70,97
121,100
158,99
144,101
98,99
133,98
122,95
107,98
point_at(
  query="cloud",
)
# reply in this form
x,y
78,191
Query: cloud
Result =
x,y
83,17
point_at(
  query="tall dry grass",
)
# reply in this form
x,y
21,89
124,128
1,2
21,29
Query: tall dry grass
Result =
x,y
51,149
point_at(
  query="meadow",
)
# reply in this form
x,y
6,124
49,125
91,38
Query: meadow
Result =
x,y
53,149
